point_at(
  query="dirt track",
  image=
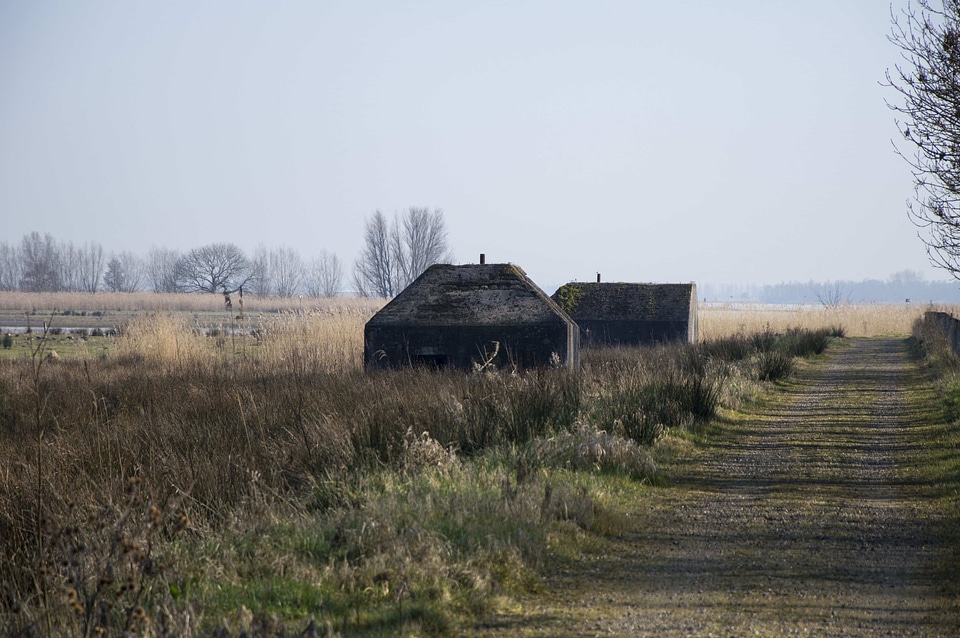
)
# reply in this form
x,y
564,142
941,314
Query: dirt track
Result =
x,y
796,519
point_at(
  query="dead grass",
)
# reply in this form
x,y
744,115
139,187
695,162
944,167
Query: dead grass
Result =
x,y
56,302
857,320
397,501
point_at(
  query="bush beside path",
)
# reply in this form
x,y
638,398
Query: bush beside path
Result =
x,y
813,512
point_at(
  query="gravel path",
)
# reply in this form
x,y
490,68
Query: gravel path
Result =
x,y
794,520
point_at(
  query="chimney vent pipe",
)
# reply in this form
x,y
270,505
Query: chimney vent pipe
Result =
x,y
483,259
598,277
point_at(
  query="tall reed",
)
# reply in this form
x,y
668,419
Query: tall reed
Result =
x,y
857,320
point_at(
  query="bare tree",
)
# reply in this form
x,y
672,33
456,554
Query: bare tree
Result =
x,y
134,269
113,277
69,263
161,269
91,267
324,277
9,267
40,263
928,82
287,270
260,282
125,273
213,268
422,242
396,254
375,271
833,297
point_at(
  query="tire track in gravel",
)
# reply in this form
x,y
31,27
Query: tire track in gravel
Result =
x,y
791,521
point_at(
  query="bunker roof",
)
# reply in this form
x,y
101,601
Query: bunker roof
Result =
x,y
627,301
471,295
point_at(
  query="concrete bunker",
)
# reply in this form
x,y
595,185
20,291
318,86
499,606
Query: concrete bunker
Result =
x,y
468,316
612,314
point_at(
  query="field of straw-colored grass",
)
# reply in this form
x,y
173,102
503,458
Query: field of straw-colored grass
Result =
x,y
716,320
330,340
857,320
58,302
195,475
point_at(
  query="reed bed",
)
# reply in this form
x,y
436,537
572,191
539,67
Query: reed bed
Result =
x,y
328,339
187,481
57,302
857,320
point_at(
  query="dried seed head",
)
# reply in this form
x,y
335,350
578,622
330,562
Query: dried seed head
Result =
x,y
183,521
156,516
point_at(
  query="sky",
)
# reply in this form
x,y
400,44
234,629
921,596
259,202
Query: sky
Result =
x,y
740,142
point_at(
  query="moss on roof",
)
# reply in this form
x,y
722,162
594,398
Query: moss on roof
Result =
x,y
627,301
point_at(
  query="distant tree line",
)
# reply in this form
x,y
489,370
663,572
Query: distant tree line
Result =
x,y
898,288
395,252
40,263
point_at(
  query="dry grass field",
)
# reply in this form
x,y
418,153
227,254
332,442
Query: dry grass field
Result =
x,y
333,328
196,471
857,320
106,302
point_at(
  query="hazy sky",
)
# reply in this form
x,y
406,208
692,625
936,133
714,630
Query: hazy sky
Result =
x,y
742,141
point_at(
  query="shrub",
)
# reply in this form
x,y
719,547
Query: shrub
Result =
x,y
774,365
803,343
672,387
764,341
730,349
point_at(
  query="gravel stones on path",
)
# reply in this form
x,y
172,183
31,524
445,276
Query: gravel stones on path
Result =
x,y
793,519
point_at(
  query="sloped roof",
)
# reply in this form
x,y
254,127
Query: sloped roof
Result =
x,y
470,295
627,301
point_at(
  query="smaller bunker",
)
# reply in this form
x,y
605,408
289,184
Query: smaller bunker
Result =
x,y
614,314
471,315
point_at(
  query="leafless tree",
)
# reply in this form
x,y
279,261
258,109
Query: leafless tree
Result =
x,y
161,269
9,267
69,264
91,267
833,297
423,242
396,254
40,263
81,267
928,83
375,271
113,277
124,273
287,270
260,282
213,268
324,276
